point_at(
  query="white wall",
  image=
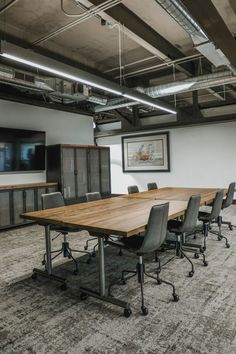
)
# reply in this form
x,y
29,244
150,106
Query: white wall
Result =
x,y
61,128
201,156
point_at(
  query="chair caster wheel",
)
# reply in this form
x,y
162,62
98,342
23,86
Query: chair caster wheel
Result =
x,y
94,254
181,256
190,274
120,253
85,248
196,255
89,261
231,228
83,296
75,272
144,311
68,255
127,313
219,238
43,262
205,263
123,282
227,245
159,281
176,297
34,276
204,249
64,286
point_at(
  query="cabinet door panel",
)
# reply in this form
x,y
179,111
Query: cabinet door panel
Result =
x,y
5,219
105,171
82,172
18,206
94,170
68,168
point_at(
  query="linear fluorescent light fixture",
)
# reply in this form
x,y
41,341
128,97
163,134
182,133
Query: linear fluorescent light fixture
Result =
x,y
59,73
78,79
149,104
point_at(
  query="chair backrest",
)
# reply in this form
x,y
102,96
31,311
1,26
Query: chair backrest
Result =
x,y
151,186
52,200
216,205
133,189
191,214
156,229
230,196
93,196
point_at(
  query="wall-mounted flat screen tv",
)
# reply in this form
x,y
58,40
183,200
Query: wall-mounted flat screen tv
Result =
x,y
21,150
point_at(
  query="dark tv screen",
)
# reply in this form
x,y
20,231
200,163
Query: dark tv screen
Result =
x,y
21,150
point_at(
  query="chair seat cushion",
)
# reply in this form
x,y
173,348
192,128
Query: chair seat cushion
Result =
x,y
174,226
131,244
203,216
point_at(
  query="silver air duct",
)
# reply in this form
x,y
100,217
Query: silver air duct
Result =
x,y
192,84
200,39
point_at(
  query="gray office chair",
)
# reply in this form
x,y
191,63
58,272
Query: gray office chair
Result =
x,y
208,217
133,189
56,200
92,197
151,186
187,225
227,202
154,237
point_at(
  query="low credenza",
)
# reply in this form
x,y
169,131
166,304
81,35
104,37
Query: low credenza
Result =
x,y
17,199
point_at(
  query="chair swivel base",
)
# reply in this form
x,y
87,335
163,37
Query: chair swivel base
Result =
x,y
84,293
54,277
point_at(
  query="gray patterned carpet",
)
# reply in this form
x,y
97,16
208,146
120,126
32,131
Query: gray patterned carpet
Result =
x,y
37,317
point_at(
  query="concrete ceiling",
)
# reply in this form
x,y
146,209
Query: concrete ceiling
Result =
x,y
97,47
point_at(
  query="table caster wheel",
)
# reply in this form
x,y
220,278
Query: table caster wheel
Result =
x,y
85,248
159,281
205,263
64,286
196,255
176,297
190,274
43,262
123,282
34,276
144,311
231,227
204,249
227,245
83,296
127,313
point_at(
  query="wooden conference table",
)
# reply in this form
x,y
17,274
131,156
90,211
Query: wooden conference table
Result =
x,y
123,216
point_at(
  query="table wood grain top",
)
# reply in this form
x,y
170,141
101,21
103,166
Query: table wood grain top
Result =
x,y
123,216
176,193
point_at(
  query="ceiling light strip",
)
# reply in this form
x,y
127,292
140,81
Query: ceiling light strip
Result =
x,y
149,103
83,81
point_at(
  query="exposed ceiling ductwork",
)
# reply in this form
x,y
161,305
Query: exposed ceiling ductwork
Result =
x,y
196,83
200,39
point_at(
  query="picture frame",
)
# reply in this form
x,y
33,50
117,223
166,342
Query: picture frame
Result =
x,y
146,153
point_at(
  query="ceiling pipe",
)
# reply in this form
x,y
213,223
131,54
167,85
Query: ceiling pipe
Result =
x,y
13,2
85,16
196,83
